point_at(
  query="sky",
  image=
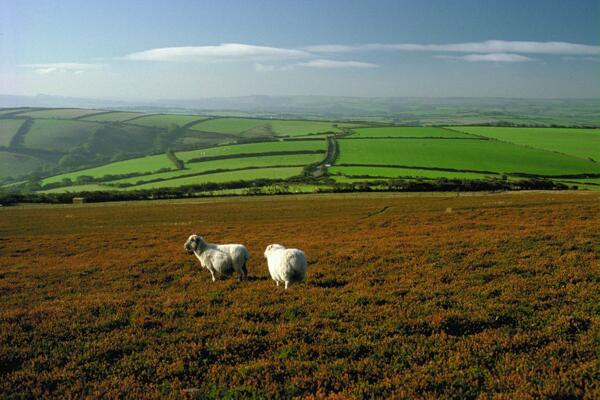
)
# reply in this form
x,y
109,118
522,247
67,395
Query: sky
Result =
x,y
152,50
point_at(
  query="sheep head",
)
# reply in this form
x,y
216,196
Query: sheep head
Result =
x,y
191,244
272,247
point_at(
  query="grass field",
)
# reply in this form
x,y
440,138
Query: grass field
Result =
x,y
8,128
15,164
233,163
116,116
403,172
262,147
51,134
407,131
477,155
496,298
277,127
244,175
59,113
165,120
583,143
142,165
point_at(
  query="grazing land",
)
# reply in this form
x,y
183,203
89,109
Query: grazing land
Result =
x,y
59,113
66,149
274,127
9,161
432,296
473,155
8,128
408,132
165,120
115,116
53,134
583,143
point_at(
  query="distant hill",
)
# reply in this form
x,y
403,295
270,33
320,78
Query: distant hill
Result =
x,y
401,110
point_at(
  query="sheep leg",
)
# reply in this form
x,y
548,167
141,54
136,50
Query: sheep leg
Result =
x,y
277,283
286,285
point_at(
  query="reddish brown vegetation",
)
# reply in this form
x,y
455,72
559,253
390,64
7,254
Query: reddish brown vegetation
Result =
x,y
494,295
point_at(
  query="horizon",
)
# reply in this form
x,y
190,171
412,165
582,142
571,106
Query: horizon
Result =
x,y
190,50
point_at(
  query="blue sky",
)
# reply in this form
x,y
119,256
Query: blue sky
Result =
x,y
191,49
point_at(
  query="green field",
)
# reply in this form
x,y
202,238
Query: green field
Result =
x,y
165,120
116,116
245,126
59,113
153,163
80,188
583,143
475,155
386,172
245,175
57,135
407,131
15,164
142,165
261,147
4,111
8,127
232,163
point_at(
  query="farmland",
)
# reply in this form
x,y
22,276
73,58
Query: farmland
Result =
x,y
8,128
116,116
408,132
51,134
127,149
583,143
164,120
431,296
273,127
473,155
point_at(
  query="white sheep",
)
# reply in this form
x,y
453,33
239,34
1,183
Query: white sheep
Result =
x,y
285,265
238,253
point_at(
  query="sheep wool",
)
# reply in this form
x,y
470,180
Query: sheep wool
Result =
x,y
285,265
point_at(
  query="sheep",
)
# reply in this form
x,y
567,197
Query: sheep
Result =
x,y
285,265
216,261
238,253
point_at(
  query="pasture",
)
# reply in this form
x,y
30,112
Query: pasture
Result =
x,y
497,297
57,135
8,128
23,163
407,131
165,120
584,143
474,155
271,172
142,165
245,126
387,172
58,113
227,164
115,116
149,164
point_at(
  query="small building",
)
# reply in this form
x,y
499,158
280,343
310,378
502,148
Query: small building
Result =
x,y
78,200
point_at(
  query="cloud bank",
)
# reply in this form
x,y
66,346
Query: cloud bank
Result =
x,y
219,52
492,57
489,46
75,68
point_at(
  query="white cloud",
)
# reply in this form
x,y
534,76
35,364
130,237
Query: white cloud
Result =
x,y
219,52
76,68
492,57
329,64
260,67
489,46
